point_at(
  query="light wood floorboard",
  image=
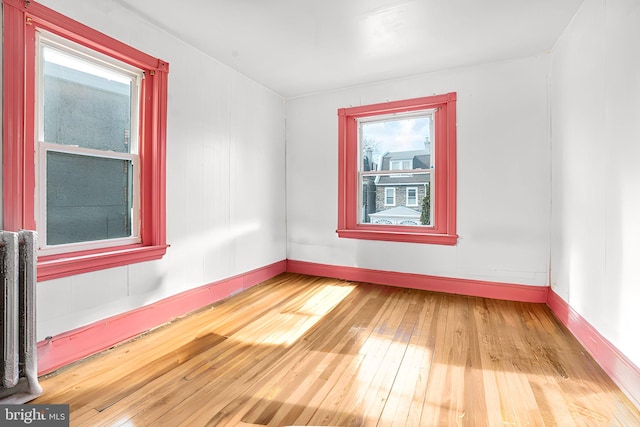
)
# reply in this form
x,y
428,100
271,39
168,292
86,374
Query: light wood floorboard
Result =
x,y
301,350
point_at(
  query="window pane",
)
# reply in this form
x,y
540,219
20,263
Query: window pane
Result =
x,y
88,198
85,104
397,144
412,197
390,196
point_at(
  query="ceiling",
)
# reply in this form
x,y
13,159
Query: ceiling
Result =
x,y
298,47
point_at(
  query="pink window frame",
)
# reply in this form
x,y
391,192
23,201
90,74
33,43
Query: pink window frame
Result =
x,y
444,230
21,20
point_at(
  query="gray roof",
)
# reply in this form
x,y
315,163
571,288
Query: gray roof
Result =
x,y
404,179
419,158
404,155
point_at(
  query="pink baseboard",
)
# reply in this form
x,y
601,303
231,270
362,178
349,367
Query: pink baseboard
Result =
x,y
619,368
479,288
74,345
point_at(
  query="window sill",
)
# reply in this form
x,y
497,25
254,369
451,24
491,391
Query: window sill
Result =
x,y
400,236
69,264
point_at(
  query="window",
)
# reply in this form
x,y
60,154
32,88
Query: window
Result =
x,y
412,196
88,118
87,146
389,196
416,137
400,164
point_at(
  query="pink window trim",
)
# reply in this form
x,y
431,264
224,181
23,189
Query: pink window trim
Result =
x,y
444,231
21,19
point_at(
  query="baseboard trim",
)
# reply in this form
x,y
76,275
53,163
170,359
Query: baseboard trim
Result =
x,y
478,288
71,346
77,344
619,368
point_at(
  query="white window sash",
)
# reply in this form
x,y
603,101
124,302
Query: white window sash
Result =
x,y
400,172
389,193
415,196
43,147
45,249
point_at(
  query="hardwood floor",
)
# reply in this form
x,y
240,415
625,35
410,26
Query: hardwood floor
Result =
x,y
299,350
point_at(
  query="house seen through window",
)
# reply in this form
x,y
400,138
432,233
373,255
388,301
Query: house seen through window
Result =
x,y
396,169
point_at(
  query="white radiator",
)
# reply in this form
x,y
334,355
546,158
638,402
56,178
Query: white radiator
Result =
x,y
19,369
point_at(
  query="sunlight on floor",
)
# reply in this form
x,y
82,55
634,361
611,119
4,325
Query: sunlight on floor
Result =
x,y
284,327
125,423
387,371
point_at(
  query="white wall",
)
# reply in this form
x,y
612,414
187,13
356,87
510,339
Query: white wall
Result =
x,y
503,176
595,244
225,180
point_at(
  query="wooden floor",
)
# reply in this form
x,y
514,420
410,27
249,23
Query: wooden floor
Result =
x,y
301,350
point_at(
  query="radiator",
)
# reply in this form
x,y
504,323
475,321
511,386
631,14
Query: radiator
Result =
x,y
19,369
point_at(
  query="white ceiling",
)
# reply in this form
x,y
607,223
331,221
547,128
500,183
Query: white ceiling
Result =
x,y
298,47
